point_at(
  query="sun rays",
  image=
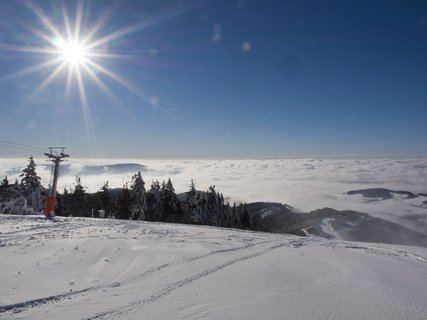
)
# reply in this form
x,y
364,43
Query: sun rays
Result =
x,y
68,46
71,52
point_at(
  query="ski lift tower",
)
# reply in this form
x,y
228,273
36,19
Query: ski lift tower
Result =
x,y
56,155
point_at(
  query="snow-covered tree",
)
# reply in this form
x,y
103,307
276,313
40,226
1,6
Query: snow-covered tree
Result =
x,y
212,206
154,202
170,202
138,205
31,185
79,190
191,194
202,208
78,199
192,199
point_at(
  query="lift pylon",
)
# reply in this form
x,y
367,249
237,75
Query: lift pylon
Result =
x,y
56,155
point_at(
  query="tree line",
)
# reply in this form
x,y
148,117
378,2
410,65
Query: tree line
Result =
x,y
133,201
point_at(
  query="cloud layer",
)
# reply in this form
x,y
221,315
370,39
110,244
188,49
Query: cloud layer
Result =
x,y
303,183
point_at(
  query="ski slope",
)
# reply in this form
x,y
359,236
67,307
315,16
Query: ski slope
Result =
x,y
110,269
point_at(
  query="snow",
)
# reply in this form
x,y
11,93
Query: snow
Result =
x,y
81,268
327,227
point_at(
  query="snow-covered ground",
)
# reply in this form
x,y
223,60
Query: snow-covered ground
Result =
x,y
109,269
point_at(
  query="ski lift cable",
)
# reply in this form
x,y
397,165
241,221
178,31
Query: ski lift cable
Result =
x,y
26,147
21,145
20,148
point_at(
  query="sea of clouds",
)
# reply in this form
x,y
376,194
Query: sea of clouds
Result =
x,y
305,184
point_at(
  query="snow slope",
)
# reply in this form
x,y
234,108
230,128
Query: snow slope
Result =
x,y
110,269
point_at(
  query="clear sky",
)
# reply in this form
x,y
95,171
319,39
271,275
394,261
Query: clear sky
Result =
x,y
215,79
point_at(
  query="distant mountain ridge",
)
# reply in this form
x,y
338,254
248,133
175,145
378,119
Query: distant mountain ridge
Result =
x,y
384,193
334,224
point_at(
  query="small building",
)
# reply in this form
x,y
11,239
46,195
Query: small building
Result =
x,y
101,214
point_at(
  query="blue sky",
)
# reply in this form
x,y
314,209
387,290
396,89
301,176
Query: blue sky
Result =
x,y
223,79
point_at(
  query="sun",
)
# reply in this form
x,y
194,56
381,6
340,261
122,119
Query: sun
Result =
x,y
73,52
75,49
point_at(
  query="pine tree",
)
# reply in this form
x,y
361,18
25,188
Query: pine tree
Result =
x,y
105,199
234,217
5,191
203,209
245,218
79,190
138,205
78,200
31,185
191,194
65,202
124,202
256,222
5,182
172,212
154,202
192,199
224,212
30,178
212,206
221,214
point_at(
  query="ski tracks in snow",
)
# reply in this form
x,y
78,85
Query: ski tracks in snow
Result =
x,y
121,312
379,251
182,264
41,227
